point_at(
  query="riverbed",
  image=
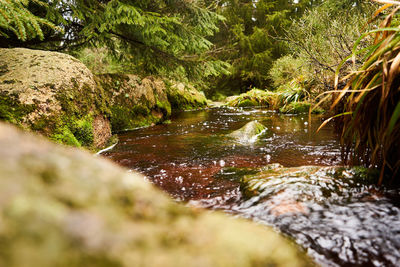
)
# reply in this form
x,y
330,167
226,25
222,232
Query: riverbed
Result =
x,y
339,222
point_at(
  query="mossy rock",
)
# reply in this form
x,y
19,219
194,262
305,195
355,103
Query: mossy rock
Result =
x,y
185,97
64,207
248,103
300,107
254,97
52,93
249,132
11,110
134,101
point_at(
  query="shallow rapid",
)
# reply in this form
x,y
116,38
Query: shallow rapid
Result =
x,y
339,221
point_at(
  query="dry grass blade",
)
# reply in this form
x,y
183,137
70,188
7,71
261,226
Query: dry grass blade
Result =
x,y
331,118
369,102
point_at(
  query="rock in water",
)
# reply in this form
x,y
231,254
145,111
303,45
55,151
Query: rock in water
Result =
x,y
63,207
249,132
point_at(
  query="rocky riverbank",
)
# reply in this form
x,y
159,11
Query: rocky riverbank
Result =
x,y
56,95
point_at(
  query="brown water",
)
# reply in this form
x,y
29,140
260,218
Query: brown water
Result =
x,y
345,223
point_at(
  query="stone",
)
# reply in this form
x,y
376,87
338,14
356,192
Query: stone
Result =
x,y
134,101
185,97
254,97
64,207
49,92
249,132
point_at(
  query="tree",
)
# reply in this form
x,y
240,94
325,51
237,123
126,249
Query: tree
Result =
x,y
16,20
155,36
324,37
248,39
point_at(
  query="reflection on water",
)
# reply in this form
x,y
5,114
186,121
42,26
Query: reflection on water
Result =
x,y
193,160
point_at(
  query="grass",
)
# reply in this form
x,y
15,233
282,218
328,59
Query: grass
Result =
x,y
369,102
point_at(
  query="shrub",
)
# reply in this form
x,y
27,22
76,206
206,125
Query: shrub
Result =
x,y
290,69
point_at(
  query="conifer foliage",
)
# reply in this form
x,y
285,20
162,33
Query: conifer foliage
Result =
x,y
16,20
250,38
156,35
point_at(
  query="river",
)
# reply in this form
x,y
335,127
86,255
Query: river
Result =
x,y
339,222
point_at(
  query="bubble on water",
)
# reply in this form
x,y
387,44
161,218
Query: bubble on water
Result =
x,y
305,123
222,163
268,158
179,179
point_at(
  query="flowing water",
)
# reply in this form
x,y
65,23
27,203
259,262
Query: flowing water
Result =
x,y
340,221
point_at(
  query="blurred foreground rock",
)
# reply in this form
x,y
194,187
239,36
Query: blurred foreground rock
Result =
x,y
64,207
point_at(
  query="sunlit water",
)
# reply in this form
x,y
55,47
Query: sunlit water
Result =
x,y
338,221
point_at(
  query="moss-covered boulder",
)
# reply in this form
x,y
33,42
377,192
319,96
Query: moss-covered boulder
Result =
x,y
54,94
185,97
133,101
299,107
253,98
249,132
63,207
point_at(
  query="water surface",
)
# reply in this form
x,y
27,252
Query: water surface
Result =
x,y
339,222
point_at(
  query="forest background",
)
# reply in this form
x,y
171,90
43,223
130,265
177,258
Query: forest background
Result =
x,y
223,47
293,48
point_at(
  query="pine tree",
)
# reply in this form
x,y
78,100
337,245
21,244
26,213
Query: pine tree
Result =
x,y
253,29
16,20
157,36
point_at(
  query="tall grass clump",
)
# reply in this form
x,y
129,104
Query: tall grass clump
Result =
x,y
369,102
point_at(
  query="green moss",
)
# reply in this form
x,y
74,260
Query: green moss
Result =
x,y
186,99
254,97
79,102
11,110
123,118
248,132
48,125
119,118
177,102
138,110
68,130
248,103
164,107
83,130
127,111
65,136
